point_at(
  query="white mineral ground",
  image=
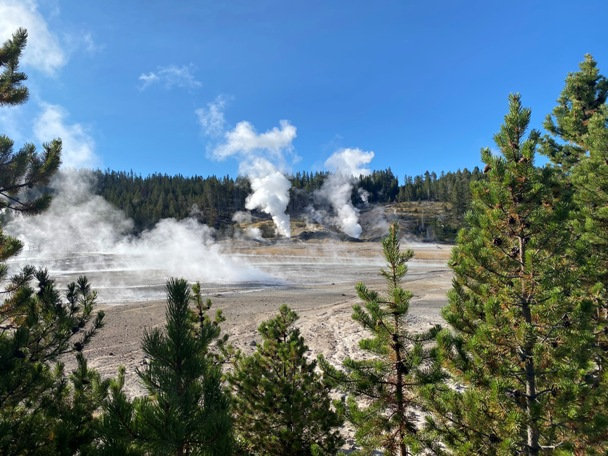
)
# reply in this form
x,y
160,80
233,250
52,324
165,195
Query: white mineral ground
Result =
x,y
316,278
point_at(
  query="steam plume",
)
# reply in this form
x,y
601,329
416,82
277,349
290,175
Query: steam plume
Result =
x,y
84,228
261,160
345,166
82,232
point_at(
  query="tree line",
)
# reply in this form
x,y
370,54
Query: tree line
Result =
x,y
519,368
213,201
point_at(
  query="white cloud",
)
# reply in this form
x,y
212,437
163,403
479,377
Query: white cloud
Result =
x,y
349,162
211,118
89,43
148,79
43,51
170,76
12,122
244,140
78,146
81,41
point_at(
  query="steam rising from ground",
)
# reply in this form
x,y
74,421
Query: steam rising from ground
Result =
x,y
345,166
270,192
88,230
262,160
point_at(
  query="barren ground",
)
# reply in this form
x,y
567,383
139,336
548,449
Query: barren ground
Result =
x,y
318,280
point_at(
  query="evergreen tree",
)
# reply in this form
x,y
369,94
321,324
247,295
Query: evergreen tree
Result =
x,y
37,325
186,411
281,405
383,387
148,199
520,339
116,428
583,97
579,126
22,170
12,91
76,423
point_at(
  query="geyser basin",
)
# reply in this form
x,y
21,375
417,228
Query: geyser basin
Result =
x,y
122,278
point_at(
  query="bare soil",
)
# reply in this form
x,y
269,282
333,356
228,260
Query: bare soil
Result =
x,y
318,283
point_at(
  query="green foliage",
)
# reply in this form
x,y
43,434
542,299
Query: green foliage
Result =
x,y
186,411
214,201
583,97
22,170
281,404
36,327
11,90
76,428
23,173
383,387
579,149
521,331
116,430
147,200
380,186
41,412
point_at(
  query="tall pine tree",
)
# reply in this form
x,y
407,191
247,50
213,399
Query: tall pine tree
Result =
x,y
579,128
37,324
519,346
383,387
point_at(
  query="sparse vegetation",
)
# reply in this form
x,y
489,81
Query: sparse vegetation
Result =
x,y
383,387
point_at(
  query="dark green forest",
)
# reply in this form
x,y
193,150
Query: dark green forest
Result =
x,y
214,200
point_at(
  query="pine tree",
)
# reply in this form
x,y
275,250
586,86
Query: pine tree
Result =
x,y
23,173
38,325
186,411
11,89
281,405
579,128
520,341
583,97
384,386
22,170
116,428
76,416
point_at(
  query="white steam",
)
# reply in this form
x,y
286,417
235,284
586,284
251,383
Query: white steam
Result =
x,y
211,118
345,166
82,233
241,217
262,161
253,232
270,191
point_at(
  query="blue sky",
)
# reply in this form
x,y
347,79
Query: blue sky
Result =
x,y
156,86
